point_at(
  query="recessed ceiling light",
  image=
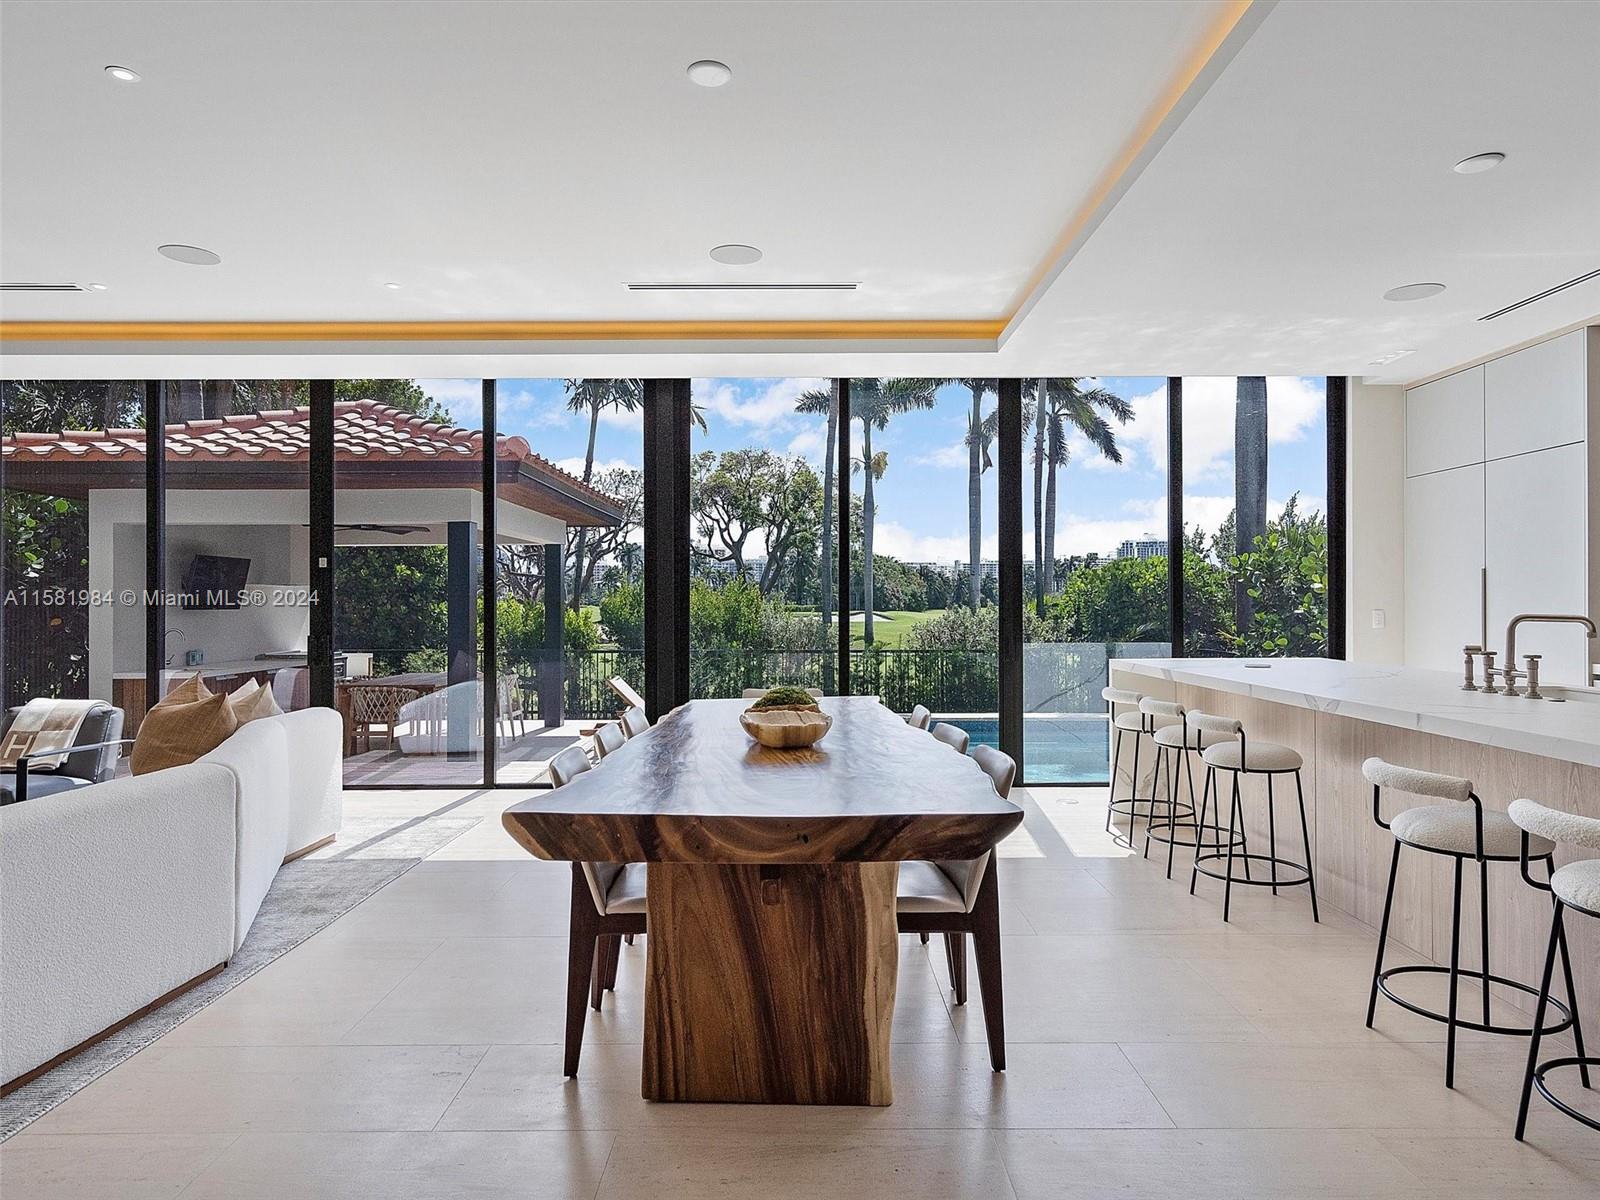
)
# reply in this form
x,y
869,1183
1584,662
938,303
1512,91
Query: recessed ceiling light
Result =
x,y
123,74
708,72
1414,291
96,287
393,287
1477,164
195,256
735,255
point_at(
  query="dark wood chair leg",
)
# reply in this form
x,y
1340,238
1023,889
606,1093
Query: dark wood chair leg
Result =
x,y
602,964
986,944
955,949
581,940
613,958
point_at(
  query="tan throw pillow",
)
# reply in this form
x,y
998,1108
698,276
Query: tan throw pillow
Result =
x,y
190,721
253,701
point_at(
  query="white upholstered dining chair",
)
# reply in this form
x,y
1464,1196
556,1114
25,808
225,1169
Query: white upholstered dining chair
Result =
x,y
920,717
958,898
609,738
634,721
953,736
608,902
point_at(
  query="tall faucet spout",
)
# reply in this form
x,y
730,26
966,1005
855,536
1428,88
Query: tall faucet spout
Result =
x,y
1546,618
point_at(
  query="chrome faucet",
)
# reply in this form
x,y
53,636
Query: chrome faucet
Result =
x,y
1547,618
167,656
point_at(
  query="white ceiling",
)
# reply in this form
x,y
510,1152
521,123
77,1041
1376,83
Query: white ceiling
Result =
x,y
524,162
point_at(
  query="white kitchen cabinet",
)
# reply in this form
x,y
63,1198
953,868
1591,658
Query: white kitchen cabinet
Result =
x,y
1536,398
1444,423
1536,551
1444,523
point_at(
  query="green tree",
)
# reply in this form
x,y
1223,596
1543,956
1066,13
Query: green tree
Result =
x,y
873,402
1285,578
622,615
813,402
1068,407
593,397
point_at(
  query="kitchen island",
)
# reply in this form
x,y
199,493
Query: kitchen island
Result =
x,y
1336,714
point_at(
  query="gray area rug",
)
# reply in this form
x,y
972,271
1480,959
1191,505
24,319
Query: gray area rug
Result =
x,y
307,896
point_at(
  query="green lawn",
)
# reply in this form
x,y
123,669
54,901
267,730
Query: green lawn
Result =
x,y
889,627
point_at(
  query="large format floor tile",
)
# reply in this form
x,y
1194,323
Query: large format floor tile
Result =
x,y
413,1048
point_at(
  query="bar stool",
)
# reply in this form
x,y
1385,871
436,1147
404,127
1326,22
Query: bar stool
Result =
x,y
1180,738
1457,832
1237,755
1140,727
1575,886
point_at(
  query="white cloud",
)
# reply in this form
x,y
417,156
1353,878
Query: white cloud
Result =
x,y
574,466
956,456
461,398
810,444
895,540
768,408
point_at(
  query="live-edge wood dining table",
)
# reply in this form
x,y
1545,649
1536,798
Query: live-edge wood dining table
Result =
x,y
772,944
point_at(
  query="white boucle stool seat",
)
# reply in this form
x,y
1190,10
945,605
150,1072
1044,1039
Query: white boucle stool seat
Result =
x,y
1232,755
1133,722
924,887
1578,884
1452,829
1171,737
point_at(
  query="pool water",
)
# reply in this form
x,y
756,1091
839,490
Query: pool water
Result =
x,y
1067,749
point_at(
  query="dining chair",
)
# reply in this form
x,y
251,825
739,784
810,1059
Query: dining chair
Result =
x,y
920,717
609,738
953,736
608,901
634,721
378,705
958,898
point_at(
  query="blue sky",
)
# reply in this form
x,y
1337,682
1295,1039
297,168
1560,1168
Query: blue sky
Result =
x,y
922,499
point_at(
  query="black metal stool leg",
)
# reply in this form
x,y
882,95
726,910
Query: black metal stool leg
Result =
x,y
1116,762
1133,788
1272,835
1383,933
1233,814
1455,982
1572,1003
1483,922
1205,804
1538,1018
1172,817
1155,780
1305,838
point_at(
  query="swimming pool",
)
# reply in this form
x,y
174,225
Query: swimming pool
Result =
x,y
1056,749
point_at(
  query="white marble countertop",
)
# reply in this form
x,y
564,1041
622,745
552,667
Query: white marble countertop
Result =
x,y
208,670
1407,697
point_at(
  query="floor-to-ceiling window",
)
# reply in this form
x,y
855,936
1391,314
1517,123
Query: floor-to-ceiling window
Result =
x,y
569,562
72,498
238,527
1255,569
408,573
1094,522
924,533
762,535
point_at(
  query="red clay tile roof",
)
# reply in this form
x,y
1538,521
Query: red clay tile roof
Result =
x,y
363,431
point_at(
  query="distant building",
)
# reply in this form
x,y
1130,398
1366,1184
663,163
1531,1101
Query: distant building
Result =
x,y
1147,547
987,569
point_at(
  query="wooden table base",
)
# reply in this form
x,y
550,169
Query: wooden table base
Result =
x,y
770,984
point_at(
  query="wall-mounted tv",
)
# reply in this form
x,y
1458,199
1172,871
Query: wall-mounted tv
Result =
x,y
213,581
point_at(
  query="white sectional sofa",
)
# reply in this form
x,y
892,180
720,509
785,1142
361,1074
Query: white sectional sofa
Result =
x,y
116,896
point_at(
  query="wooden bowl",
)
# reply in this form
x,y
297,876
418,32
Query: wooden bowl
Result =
x,y
786,728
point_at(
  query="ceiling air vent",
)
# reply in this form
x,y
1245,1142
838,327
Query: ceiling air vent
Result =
x,y
40,287
1523,303
743,287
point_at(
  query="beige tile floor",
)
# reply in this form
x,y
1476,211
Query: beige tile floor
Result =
x,y
412,1049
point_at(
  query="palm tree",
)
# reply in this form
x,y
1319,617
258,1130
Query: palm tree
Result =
x,y
979,437
1061,406
593,396
812,402
1038,419
1249,481
873,402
